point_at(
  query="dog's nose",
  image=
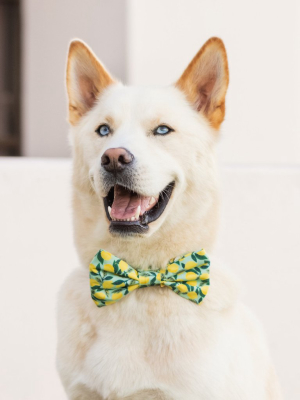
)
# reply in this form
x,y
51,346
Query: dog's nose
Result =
x,y
116,159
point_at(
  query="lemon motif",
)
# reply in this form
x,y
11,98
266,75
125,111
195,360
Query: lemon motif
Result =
x,y
144,280
109,268
123,265
100,295
117,296
204,289
132,287
93,268
107,284
182,288
192,283
205,276
192,295
105,255
190,264
110,277
173,268
133,275
201,252
190,276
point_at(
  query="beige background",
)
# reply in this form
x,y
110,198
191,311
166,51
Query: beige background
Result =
x,y
151,42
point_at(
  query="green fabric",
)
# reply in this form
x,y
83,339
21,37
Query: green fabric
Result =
x,y
112,278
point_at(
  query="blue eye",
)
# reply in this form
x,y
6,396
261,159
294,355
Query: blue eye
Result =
x,y
162,130
103,130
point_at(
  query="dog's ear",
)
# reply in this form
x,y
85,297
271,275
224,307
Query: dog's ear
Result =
x,y
86,78
206,79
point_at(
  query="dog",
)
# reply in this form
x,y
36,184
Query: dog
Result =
x,y
145,190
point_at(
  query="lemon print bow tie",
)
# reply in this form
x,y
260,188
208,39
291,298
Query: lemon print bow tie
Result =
x,y
112,278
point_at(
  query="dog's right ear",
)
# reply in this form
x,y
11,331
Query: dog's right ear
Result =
x,y
86,78
205,81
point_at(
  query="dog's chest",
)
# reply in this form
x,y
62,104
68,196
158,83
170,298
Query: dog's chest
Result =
x,y
146,340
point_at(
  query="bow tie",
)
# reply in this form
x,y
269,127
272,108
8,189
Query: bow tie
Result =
x,y
112,278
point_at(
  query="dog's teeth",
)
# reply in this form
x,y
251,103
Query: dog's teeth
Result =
x,y
132,219
152,201
137,214
109,211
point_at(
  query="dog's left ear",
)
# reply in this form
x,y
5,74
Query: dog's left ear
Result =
x,y
205,81
86,79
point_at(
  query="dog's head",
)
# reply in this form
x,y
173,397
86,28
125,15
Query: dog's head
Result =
x,y
143,156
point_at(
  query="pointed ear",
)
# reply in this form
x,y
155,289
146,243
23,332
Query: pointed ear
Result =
x,y
86,78
206,79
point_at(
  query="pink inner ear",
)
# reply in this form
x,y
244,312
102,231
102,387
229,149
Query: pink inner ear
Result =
x,y
88,91
205,90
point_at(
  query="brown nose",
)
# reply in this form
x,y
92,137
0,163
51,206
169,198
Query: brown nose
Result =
x,y
116,159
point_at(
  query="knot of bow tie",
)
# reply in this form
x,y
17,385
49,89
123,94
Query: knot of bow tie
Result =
x,y
112,278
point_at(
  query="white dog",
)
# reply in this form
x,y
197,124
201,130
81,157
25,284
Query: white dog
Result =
x,y
145,190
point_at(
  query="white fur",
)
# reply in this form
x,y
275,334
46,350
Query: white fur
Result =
x,y
154,344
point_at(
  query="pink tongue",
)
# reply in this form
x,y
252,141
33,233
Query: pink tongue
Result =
x,y
125,203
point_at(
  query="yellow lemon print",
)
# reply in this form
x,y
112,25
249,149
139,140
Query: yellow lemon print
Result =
x,y
100,295
121,285
133,287
123,265
182,288
187,255
190,276
205,276
162,271
192,283
158,277
181,259
93,282
144,280
93,268
172,260
173,268
192,295
117,296
107,284
109,302
105,255
133,275
204,289
201,252
108,268
190,264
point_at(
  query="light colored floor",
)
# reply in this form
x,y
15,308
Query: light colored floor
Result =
x,y
259,239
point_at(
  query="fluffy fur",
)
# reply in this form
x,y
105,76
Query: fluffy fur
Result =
x,y
153,344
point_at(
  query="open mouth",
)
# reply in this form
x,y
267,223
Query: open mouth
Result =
x,y
130,212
